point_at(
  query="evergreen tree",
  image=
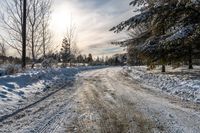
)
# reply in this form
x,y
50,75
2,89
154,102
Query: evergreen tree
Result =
x,y
65,51
173,27
80,59
90,59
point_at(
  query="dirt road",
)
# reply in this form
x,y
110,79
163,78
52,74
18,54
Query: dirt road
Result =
x,y
106,101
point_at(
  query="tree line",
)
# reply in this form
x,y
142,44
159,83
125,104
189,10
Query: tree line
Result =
x,y
163,32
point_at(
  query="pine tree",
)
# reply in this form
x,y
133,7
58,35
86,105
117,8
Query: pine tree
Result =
x,y
90,59
65,51
80,59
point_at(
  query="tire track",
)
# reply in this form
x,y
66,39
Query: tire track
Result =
x,y
106,113
104,101
53,122
5,117
42,116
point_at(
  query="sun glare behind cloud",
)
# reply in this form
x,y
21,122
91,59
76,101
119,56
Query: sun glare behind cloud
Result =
x,y
60,19
92,21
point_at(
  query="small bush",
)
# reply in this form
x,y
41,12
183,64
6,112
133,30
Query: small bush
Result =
x,y
49,63
12,69
2,72
151,67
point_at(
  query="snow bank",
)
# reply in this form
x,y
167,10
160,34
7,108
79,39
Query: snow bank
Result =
x,y
180,82
18,89
9,69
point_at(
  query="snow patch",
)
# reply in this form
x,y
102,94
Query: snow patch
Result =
x,y
180,82
17,90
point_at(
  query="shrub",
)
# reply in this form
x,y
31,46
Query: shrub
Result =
x,y
49,63
12,69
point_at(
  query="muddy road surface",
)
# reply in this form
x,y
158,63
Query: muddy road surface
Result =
x,y
106,101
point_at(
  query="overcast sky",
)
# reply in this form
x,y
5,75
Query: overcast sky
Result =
x,y
93,19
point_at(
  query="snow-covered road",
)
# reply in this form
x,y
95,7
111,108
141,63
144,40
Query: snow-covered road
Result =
x,y
106,101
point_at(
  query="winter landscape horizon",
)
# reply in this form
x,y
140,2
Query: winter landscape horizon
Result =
x,y
109,66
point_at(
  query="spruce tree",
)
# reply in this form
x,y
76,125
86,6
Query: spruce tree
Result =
x,y
173,26
65,51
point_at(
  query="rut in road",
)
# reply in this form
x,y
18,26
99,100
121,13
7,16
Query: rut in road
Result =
x,y
106,101
109,102
102,111
44,117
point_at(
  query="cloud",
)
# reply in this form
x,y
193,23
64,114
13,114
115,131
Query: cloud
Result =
x,y
93,20
103,49
90,4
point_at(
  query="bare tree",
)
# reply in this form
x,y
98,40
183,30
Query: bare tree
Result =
x,y
33,14
12,23
46,35
34,23
39,22
15,25
75,50
70,34
69,42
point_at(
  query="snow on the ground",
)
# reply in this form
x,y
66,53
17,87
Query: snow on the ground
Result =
x,y
180,82
17,90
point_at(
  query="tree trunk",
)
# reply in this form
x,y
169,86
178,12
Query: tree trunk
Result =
x,y
33,49
44,50
190,57
163,68
24,36
163,51
43,43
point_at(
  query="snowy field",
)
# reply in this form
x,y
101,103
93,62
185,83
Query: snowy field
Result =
x,y
19,90
179,82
